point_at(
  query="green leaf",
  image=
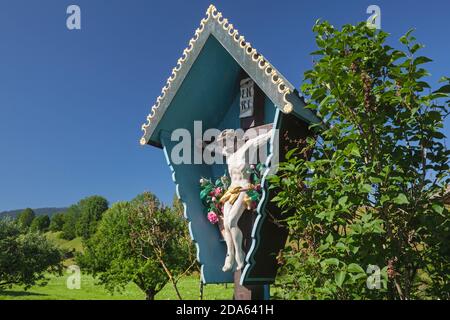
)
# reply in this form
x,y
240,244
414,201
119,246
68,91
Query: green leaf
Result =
x,y
384,272
401,199
343,200
355,268
330,262
355,151
329,239
396,54
422,85
403,40
205,192
356,228
339,278
416,47
290,153
366,188
421,60
324,101
354,249
438,208
408,33
341,246
443,89
359,276
375,180
319,93
406,38
435,115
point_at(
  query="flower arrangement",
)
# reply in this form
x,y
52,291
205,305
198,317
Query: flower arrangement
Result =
x,y
211,191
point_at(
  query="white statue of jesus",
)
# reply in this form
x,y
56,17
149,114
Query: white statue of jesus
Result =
x,y
236,200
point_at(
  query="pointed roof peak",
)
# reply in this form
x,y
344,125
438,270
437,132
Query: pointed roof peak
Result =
x,y
214,23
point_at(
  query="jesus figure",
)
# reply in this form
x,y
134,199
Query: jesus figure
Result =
x,y
235,200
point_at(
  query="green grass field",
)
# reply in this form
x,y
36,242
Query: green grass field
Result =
x,y
56,288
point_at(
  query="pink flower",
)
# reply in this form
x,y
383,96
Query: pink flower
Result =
x,y
214,199
252,166
217,191
212,217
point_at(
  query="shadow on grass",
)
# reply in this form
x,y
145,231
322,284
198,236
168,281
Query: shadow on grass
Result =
x,y
12,293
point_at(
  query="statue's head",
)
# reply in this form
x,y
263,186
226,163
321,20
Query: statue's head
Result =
x,y
227,139
235,174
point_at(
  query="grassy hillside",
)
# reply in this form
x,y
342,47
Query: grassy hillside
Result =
x,y
74,244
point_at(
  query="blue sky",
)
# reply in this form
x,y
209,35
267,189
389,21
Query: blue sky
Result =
x,y
72,102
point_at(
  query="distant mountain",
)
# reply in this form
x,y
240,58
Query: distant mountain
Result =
x,y
39,212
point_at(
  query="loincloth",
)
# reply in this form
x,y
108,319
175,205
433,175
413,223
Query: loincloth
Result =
x,y
232,194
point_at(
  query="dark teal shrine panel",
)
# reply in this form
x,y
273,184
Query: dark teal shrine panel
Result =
x,y
210,94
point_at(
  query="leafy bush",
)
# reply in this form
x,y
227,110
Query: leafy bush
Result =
x,y
69,228
25,257
369,200
25,218
138,241
40,224
57,222
91,210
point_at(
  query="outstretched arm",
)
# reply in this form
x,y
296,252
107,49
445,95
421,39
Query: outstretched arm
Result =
x,y
254,143
261,139
218,144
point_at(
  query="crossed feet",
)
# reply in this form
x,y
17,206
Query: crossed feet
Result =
x,y
229,263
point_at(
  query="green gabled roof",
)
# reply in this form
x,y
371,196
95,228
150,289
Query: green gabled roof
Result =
x,y
274,85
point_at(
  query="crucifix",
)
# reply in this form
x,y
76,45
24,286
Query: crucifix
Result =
x,y
237,225
235,200
233,100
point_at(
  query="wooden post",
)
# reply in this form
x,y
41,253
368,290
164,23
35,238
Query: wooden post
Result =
x,y
250,292
201,289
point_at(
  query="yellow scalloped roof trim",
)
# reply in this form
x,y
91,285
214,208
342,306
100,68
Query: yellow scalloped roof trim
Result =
x,y
257,58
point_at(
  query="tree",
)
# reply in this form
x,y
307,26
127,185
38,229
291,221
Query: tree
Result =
x,y
177,206
370,197
25,218
110,256
69,229
91,210
40,224
57,222
25,258
161,234
113,255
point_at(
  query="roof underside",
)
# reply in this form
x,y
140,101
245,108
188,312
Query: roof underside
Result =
x,y
206,93
202,84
